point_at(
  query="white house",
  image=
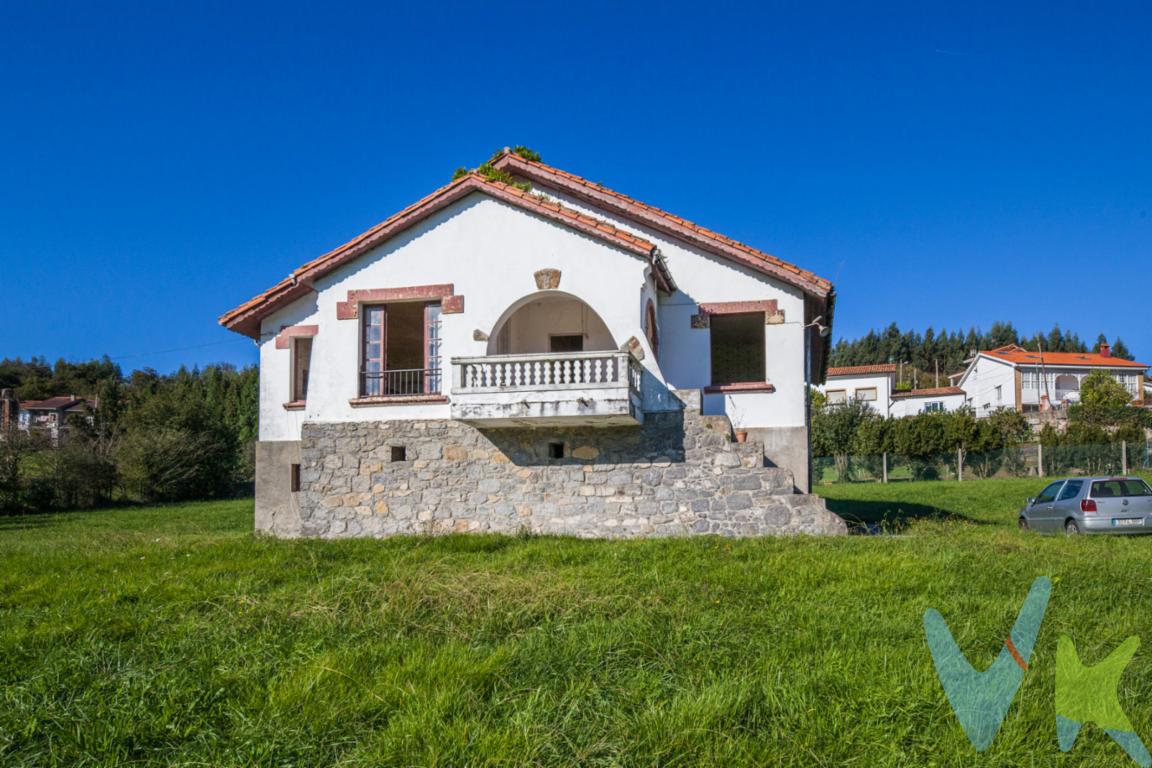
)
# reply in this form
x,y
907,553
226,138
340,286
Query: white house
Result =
x,y
930,400
547,355
871,384
1025,380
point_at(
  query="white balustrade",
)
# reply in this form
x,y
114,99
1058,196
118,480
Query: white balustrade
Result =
x,y
551,371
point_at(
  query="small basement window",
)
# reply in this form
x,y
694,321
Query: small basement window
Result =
x,y
737,348
555,450
294,474
399,453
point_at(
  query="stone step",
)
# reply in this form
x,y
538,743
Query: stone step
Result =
x,y
720,424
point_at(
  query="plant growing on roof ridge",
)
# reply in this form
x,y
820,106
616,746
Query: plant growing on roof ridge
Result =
x,y
490,172
527,153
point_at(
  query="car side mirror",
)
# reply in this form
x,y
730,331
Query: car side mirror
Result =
x,y
1031,500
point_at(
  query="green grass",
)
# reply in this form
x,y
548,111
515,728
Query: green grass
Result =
x,y
173,636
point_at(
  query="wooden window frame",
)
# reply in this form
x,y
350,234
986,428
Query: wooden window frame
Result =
x,y
432,377
652,331
828,396
746,384
298,397
553,336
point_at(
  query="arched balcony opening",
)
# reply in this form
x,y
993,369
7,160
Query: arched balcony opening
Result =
x,y
551,360
1067,387
550,322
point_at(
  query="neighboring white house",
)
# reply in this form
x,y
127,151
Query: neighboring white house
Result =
x,y
876,386
497,358
1024,380
931,400
871,384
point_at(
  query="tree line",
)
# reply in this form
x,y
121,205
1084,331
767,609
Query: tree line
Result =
x,y
151,437
923,354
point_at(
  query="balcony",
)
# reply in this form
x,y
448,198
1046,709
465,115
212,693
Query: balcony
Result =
x,y
550,389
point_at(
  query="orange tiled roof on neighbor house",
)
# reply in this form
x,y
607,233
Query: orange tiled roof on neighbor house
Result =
x,y
861,370
1029,380
443,370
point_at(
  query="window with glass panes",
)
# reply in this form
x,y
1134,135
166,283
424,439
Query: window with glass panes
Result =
x,y
401,349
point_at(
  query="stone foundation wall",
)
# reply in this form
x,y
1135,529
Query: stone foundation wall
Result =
x,y
678,474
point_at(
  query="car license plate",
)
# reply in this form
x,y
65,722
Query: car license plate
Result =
x,y
1127,521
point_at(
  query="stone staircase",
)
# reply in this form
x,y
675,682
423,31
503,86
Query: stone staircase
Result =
x,y
746,497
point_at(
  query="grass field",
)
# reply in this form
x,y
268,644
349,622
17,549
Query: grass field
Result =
x,y
173,636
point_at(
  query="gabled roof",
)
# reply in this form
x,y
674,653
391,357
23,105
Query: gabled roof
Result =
x,y
1017,355
664,222
862,370
929,392
246,318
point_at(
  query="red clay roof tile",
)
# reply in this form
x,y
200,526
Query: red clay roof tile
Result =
x,y
1017,354
655,217
862,370
929,392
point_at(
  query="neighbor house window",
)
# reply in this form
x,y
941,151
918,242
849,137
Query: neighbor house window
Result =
x,y
999,393
836,396
401,349
737,348
933,407
867,394
301,363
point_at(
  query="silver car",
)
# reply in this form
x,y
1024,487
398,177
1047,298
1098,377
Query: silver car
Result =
x,y
1090,505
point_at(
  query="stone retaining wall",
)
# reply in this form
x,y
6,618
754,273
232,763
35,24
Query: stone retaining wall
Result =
x,y
677,474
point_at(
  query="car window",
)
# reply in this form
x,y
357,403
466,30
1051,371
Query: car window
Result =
x,y
1071,490
1104,489
1049,493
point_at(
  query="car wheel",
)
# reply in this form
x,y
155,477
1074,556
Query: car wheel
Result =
x,y
1022,524
1070,527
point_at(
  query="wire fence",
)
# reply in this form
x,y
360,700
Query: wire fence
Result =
x,y
1028,459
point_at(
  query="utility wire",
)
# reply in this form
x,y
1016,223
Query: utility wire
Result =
x,y
175,349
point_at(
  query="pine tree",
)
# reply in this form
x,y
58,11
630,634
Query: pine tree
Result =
x,y
1120,350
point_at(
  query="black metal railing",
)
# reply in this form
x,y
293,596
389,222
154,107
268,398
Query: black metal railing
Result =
x,y
400,383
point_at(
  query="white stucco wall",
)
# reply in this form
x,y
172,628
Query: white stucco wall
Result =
x,y
910,406
981,380
489,250
881,382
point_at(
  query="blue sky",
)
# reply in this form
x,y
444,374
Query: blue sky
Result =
x,y
946,164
